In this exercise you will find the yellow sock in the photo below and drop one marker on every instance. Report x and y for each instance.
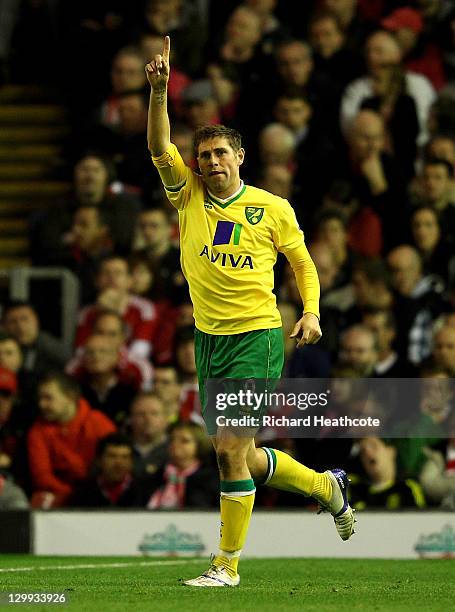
(236, 505)
(287, 474)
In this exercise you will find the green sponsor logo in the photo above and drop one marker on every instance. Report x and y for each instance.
(439, 544)
(172, 542)
(253, 214)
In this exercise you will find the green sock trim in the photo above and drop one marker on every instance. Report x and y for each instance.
(230, 486)
(271, 465)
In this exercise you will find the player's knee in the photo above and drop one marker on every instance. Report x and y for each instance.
(229, 458)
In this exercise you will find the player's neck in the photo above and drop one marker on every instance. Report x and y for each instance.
(228, 193)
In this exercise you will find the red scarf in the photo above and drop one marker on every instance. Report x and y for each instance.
(172, 493)
(113, 492)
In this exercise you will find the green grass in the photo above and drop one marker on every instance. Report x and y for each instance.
(267, 584)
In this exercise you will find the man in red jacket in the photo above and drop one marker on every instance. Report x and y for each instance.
(62, 442)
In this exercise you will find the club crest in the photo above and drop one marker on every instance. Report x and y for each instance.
(253, 214)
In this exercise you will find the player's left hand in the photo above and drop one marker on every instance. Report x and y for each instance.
(307, 330)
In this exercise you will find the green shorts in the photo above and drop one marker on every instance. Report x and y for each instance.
(252, 355)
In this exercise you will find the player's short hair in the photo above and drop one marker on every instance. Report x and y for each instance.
(208, 132)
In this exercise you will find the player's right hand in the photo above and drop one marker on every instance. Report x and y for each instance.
(158, 69)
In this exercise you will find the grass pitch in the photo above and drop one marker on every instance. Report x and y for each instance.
(102, 584)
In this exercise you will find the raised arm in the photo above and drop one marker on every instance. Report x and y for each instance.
(158, 127)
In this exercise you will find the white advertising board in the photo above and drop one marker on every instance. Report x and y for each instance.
(403, 535)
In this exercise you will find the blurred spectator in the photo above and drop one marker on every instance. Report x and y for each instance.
(240, 45)
(124, 143)
(62, 443)
(435, 252)
(419, 55)
(359, 350)
(93, 184)
(346, 12)
(148, 423)
(11, 429)
(151, 45)
(382, 487)
(89, 242)
(186, 25)
(443, 353)
(168, 389)
(402, 98)
(373, 176)
(115, 484)
(277, 145)
(134, 370)
(372, 287)
(335, 293)
(114, 284)
(12, 497)
(12, 359)
(190, 407)
(272, 30)
(41, 352)
(155, 233)
(437, 476)
(331, 229)
(186, 480)
(389, 365)
(437, 192)
(333, 58)
(277, 179)
(127, 74)
(417, 301)
(200, 105)
(104, 385)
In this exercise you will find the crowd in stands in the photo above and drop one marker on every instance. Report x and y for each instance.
(347, 109)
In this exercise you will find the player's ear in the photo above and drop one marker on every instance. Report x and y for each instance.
(241, 156)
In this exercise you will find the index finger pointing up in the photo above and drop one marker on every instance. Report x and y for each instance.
(166, 48)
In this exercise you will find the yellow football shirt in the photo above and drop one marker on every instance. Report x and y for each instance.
(229, 248)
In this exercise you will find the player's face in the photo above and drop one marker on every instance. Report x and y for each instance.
(219, 165)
